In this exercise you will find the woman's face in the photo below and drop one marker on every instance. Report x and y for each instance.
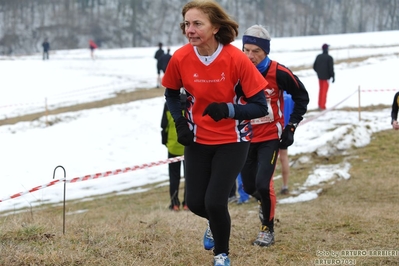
(199, 30)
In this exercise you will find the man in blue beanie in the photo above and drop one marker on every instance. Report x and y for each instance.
(269, 133)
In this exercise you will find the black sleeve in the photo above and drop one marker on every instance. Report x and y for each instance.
(164, 126)
(164, 120)
(289, 82)
(173, 102)
(331, 67)
(394, 113)
(315, 64)
(256, 107)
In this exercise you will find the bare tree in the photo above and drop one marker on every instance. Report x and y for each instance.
(125, 23)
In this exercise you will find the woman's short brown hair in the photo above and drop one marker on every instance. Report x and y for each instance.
(228, 27)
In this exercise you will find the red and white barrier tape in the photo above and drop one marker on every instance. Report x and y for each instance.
(327, 110)
(22, 104)
(378, 90)
(95, 176)
(74, 93)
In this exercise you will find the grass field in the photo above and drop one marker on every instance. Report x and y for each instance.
(352, 221)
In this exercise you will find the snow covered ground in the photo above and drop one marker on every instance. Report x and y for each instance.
(128, 135)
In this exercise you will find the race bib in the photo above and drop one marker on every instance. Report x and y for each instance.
(265, 119)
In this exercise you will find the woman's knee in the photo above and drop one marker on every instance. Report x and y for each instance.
(196, 207)
(215, 206)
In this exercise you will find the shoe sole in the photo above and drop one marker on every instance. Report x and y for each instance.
(262, 244)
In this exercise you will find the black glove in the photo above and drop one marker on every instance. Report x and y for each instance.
(184, 135)
(217, 111)
(164, 136)
(287, 138)
(333, 80)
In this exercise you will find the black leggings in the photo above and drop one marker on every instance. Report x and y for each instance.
(174, 181)
(257, 177)
(211, 171)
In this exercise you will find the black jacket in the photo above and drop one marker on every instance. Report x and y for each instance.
(164, 61)
(395, 104)
(287, 81)
(158, 54)
(46, 46)
(324, 66)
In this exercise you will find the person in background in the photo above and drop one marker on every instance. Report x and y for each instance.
(394, 112)
(269, 133)
(238, 188)
(232, 196)
(224, 92)
(175, 149)
(285, 166)
(164, 60)
(324, 67)
(92, 46)
(158, 54)
(46, 48)
(244, 197)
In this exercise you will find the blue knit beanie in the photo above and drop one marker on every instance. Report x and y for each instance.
(262, 43)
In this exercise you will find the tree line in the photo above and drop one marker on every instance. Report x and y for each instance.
(69, 24)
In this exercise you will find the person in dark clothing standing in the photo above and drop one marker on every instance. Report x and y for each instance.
(46, 48)
(394, 113)
(324, 67)
(175, 149)
(158, 54)
(164, 60)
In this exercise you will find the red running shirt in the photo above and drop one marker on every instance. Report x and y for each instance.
(216, 82)
(271, 126)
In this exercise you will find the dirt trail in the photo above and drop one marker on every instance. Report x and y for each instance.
(118, 99)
